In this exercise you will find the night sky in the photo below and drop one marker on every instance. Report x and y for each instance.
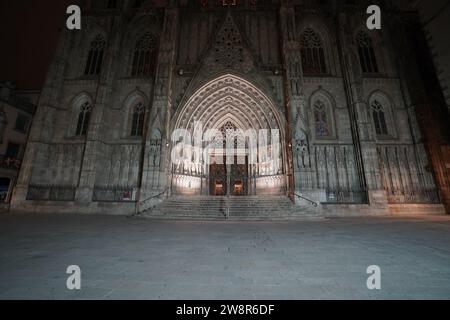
(28, 35)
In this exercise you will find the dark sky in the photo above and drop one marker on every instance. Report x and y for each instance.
(28, 36)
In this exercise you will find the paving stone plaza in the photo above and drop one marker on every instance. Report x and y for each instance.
(225, 150)
(134, 258)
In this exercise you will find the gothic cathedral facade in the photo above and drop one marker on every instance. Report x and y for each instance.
(102, 138)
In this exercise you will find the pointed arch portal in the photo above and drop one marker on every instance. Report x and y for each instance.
(237, 137)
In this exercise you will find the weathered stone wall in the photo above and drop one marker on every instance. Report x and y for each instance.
(346, 161)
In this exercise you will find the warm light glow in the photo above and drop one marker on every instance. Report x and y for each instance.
(270, 184)
(186, 184)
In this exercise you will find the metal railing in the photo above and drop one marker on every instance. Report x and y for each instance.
(313, 203)
(51, 193)
(139, 203)
(344, 195)
(9, 162)
(114, 194)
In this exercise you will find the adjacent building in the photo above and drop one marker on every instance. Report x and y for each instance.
(435, 17)
(16, 113)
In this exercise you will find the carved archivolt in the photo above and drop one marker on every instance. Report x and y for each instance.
(231, 102)
(229, 97)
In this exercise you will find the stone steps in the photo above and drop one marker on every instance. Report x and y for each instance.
(233, 208)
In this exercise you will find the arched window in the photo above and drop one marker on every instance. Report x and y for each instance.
(137, 120)
(379, 118)
(321, 119)
(313, 54)
(366, 53)
(83, 119)
(95, 56)
(144, 56)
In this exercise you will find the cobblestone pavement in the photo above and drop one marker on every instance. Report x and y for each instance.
(130, 258)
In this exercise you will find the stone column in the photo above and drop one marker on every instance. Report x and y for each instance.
(292, 81)
(362, 129)
(156, 166)
(41, 131)
(228, 180)
(94, 139)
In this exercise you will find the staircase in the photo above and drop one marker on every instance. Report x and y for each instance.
(232, 208)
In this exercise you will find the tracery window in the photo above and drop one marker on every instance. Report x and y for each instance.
(379, 118)
(229, 131)
(144, 56)
(313, 54)
(321, 120)
(366, 53)
(137, 121)
(84, 116)
(95, 56)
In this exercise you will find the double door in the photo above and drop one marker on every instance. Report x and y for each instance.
(228, 179)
